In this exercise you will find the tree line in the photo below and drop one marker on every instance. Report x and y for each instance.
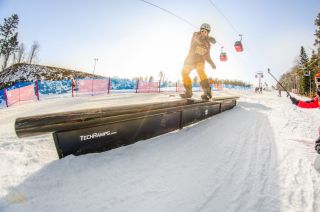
(162, 78)
(300, 78)
(10, 46)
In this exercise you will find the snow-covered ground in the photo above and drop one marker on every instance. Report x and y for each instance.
(255, 157)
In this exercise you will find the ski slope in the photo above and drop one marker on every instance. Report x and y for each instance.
(255, 157)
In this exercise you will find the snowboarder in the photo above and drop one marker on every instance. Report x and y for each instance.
(311, 104)
(199, 53)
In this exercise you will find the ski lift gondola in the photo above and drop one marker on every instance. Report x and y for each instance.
(238, 45)
(223, 55)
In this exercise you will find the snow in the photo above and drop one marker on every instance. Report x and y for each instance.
(31, 72)
(256, 157)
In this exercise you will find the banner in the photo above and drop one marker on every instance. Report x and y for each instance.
(22, 94)
(91, 86)
(148, 87)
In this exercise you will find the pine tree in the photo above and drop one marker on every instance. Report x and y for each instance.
(317, 41)
(303, 73)
(315, 59)
(304, 65)
(303, 57)
(313, 66)
(8, 37)
(317, 33)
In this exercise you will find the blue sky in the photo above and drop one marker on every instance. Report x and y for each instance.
(131, 38)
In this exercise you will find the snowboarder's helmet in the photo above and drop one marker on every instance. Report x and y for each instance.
(206, 27)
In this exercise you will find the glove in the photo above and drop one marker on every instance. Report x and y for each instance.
(213, 66)
(317, 145)
(294, 100)
(212, 40)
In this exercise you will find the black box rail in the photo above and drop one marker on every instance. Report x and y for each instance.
(101, 129)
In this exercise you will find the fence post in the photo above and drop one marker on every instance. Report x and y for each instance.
(72, 87)
(37, 89)
(109, 82)
(177, 87)
(137, 86)
(92, 86)
(19, 91)
(6, 97)
(76, 86)
(159, 85)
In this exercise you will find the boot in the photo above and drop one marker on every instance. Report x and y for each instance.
(206, 90)
(188, 92)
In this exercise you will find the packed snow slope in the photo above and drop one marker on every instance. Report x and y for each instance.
(255, 157)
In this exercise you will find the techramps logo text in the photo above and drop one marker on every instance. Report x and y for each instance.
(96, 135)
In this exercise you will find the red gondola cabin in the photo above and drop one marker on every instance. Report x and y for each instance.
(223, 56)
(238, 46)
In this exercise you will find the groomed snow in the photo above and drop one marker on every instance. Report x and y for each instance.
(255, 157)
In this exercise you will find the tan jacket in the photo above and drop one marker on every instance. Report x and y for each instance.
(199, 49)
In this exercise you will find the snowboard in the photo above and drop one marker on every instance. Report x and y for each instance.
(202, 98)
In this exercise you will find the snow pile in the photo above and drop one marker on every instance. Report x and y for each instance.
(30, 72)
(255, 157)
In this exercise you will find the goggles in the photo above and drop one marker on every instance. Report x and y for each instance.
(317, 80)
(204, 30)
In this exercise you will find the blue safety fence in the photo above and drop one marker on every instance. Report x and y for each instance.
(2, 100)
(122, 85)
(49, 89)
(19, 85)
(68, 88)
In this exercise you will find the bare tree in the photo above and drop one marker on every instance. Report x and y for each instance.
(161, 76)
(14, 56)
(34, 51)
(21, 50)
